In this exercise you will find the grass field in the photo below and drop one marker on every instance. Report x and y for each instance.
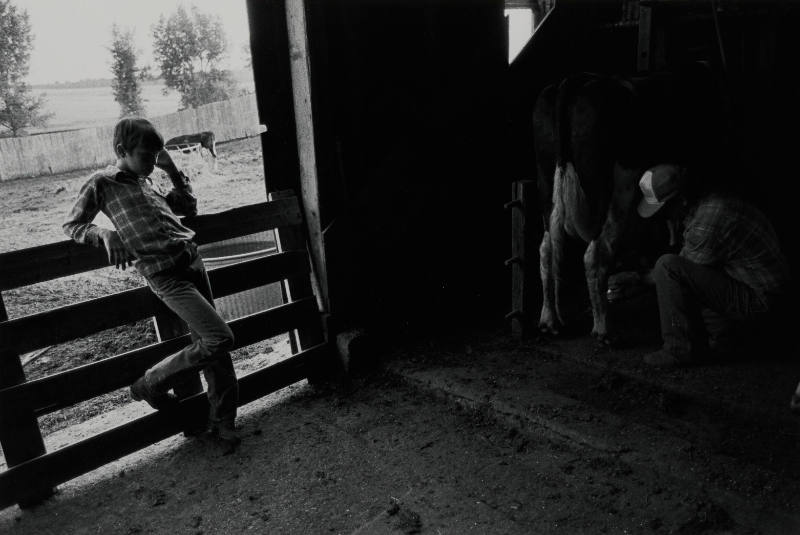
(81, 107)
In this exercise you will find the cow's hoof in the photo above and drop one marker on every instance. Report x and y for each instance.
(795, 403)
(548, 330)
(605, 341)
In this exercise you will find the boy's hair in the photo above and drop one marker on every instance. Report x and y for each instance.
(131, 131)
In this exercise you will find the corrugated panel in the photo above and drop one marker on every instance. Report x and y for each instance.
(219, 254)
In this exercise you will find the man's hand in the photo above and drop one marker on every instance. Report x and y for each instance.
(117, 255)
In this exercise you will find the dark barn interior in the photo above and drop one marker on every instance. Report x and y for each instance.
(420, 127)
(408, 109)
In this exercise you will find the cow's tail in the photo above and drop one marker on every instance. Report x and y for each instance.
(567, 189)
(566, 96)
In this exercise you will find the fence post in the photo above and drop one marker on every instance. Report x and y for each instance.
(19, 429)
(525, 287)
(294, 288)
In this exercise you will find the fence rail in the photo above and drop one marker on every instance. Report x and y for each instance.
(33, 471)
(44, 262)
(61, 152)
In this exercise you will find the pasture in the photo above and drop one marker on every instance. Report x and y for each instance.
(82, 107)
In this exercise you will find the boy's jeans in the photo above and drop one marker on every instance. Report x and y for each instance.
(702, 307)
(186, 291)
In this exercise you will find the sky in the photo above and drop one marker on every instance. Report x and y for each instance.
(520, 28)
(71, 37)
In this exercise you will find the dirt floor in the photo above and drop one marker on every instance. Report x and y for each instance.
(470, 432)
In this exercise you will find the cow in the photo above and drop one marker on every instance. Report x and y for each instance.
(205, 139)
(594, 136)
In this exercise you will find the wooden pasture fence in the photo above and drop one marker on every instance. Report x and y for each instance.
(33, 472)
(60, 152)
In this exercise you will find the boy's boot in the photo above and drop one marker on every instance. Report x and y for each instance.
(142, 391)
(226, 435)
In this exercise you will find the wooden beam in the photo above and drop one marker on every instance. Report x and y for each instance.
(269, 47)
(81, 319)
(645, 43)
(301, 69)
(28, 479)
(66, 388)
(245, 220)
(524, 261)
(298, 287)
(46, 262)
(20, 436)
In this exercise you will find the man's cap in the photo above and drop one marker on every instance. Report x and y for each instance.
(658, 184)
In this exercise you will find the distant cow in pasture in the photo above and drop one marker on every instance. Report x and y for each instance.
(205, 139)
(594, 136)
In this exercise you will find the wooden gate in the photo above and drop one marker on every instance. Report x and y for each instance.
(32, 472)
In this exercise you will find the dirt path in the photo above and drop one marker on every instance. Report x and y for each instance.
(383, 460)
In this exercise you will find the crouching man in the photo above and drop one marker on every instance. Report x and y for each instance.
(728, 279)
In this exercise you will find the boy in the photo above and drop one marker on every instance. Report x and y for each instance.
(150, 236)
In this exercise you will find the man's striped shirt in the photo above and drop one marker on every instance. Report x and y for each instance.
(735, 236)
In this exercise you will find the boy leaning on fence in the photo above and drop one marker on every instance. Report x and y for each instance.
(150, 236)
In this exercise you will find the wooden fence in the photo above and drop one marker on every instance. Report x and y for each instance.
(60, 152)
(33, 472)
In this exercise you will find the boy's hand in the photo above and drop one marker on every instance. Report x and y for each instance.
(164, 162)
(117, 255)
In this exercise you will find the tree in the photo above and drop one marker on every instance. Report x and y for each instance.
(189, 49)
(126, 82)
(18, 107)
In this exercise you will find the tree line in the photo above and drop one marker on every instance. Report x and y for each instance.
(189, 48)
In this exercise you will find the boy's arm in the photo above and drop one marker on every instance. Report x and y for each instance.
(80, 228)
(181, 199)
(78, 225)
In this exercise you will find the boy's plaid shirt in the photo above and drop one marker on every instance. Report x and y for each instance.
(737, 237)
(145, 221)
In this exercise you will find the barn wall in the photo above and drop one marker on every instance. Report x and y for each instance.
(419, 126)
(408, 118)
(759, 43)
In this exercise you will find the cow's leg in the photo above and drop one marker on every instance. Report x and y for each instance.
(596, 259)
(551, 261)
(602, 251)
(547, 320)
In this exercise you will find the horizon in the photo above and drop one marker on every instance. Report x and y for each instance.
(242, 76)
